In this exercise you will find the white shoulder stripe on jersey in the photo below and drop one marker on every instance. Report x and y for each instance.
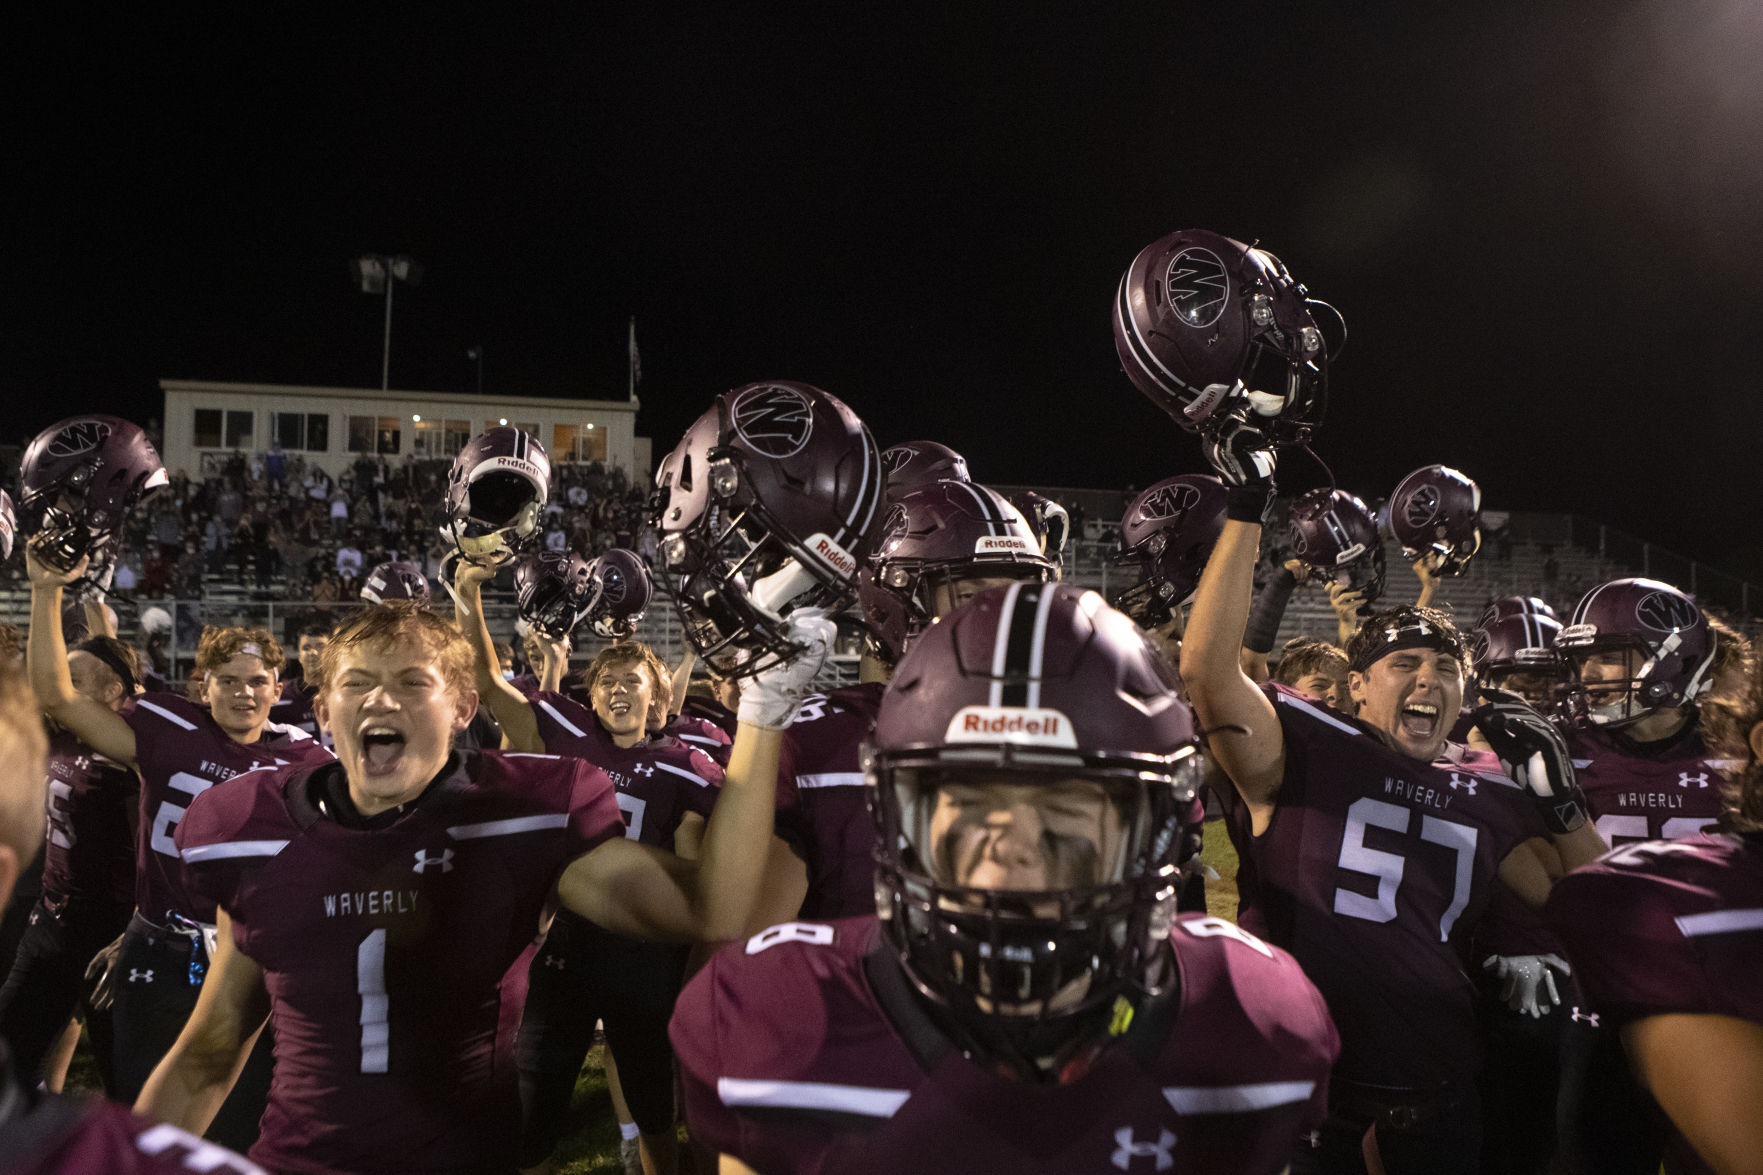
(704, 740)
(1582, 764)
(811, 1095)
(1236, 1099)
(166, 714)
(509, 827)
(234, 848)
(565, 723)
(526, 755)
(831, 779)
(1720, 922)
(291, 733)
(681, 771)
(1315, 712)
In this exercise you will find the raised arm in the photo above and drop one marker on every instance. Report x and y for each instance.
(642, 892)
(193, 1079)
(95, 724)
(682, 680)
(512, 712)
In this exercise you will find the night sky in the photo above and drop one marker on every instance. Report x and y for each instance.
(1542, 221)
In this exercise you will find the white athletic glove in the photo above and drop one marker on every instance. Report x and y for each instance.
(1528, 983)
(771, 697)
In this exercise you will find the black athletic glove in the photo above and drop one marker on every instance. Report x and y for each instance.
(1244, 459)
(1535, 755)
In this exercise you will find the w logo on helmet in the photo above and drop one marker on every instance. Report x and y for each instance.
(1666, 612)
(1421, 507)
(82, 436)
(1169, 502)
(612, 586)
(1197, 286)
(895, 458)
(773, 420)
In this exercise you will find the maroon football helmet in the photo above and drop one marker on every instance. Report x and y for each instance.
(937, 536)
(1032, 684)
(1504, 606)
(765, 505)
(395, 580)
(1202, 322)
(77, 482)
(1169, 531)
(554, 590)
(623, 588)
(1517, 652)
(913, 465)
(1334, 533)
(499, 484)
(1669, 646)
(8, 525)
(1050, 521)
(1435, 514)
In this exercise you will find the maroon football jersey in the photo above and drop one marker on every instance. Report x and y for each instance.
(90, 850)
(396, 959)
(293, 707)
(63, 1137)
(1373, 873)
(1667, 926)
(1669, 793)
(711, 711)
(182, 752)
(659, 780)
(795, 1058)
(821, 759)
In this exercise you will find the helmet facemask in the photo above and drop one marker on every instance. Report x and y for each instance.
(1612, 703)
(498, 517)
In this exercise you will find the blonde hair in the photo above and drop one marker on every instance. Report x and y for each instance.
(632, 653)
(23, 748)
(220, 645)
(1726, 724)
(379, 625)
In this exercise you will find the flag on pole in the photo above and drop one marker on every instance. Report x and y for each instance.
(636, 360)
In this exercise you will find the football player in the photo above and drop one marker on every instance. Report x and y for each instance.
(41, 1133)
(180, 749)
(1666, 941)
(1315, 669)
(385, 907)
(1373, 841)
(584, 974)
(1028, 999)
(88, 888)
(293, 706)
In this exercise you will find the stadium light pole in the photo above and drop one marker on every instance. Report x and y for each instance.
(377, 273)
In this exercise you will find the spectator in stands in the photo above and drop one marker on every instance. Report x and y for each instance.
(348, 560)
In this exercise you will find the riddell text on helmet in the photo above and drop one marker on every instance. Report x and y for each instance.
(832, 554)
(1011, 724)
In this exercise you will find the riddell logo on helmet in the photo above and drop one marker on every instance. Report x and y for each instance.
(832, 554)
(512, 465)
(993, 544)
(1011, 724)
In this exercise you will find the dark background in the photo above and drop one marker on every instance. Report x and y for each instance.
(1541, 220)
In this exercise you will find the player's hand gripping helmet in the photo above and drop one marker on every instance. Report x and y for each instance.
(1202, 322)
(1335, 534)
(77, 482)
(1032, 685)
(1635, 646)
(766, 505)
(395, 580)
(1517, 652)
(8, 525)
(1169, 531)
(1050, 521)
(936, 537)
(623, 588)
(499, 484)
(1504, 606)
(1435, 514)
(554, 591)
(912, 465)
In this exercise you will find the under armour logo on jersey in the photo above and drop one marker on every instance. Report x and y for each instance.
(1130, 1149)
(773, 419)
(140, 976)
(443, 860)
(1589, 1017)
(1684, 779)
(643, 768)
(555, 962)
(1458, 781)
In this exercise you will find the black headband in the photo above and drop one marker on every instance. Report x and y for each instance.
(101, 650)
(1407, 633)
